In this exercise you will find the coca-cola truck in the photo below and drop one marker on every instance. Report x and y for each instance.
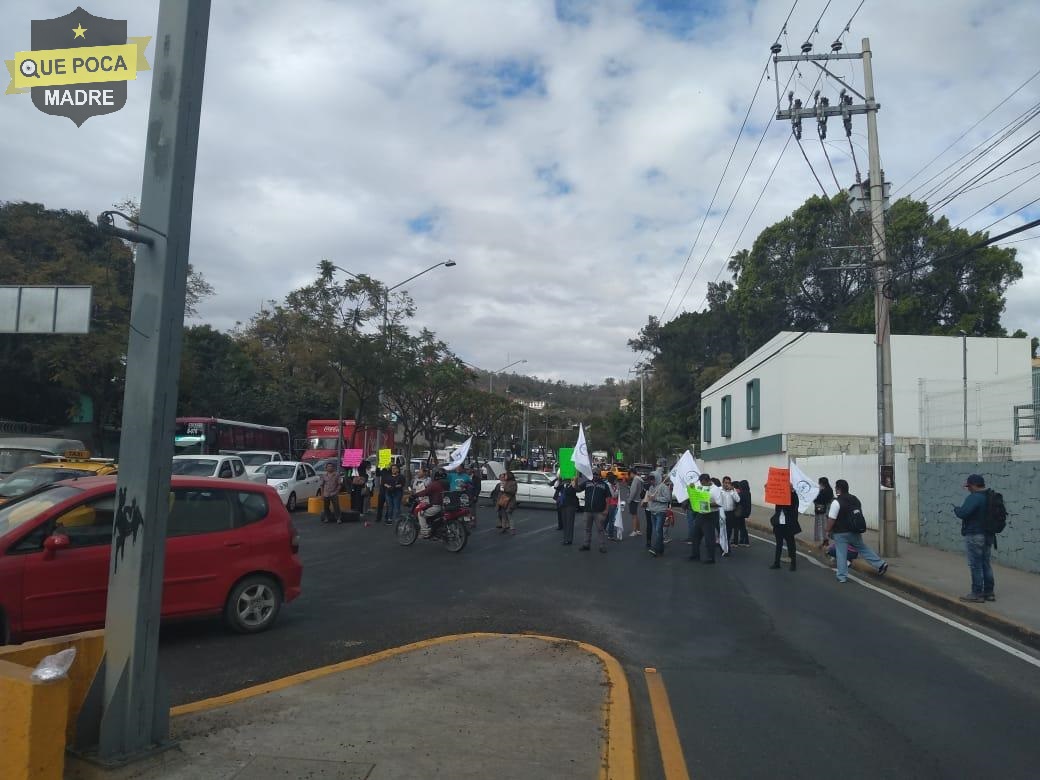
(322, 439)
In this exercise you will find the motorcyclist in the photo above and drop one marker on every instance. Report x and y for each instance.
(434, 492)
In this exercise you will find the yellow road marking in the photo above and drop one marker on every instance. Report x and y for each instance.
(618, 757)
(664, 724)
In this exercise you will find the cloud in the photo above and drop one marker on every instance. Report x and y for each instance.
(562, 153)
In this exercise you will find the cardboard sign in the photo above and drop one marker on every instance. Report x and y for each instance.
(567, 469)
(352, 458)
(384, 458)
(619, 457)
(700, 498)
(778, 487)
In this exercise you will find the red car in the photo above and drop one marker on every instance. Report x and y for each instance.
(231, 549)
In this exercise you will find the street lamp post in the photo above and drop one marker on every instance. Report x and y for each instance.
(491, 376)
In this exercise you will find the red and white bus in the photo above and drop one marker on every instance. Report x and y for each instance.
(212, 436)
(322, 438)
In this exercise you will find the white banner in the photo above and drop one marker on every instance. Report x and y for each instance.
(459, 456)
(580, 456)
(807, 489)
(685, 472)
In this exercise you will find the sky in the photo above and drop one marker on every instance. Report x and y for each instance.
(566, 155)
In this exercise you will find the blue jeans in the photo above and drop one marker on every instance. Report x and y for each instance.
(841, 550)
(393, 505)
(977, 547)
(658, 532)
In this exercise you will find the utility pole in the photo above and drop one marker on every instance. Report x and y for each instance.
(642, 415)
(126, 712)
(879, 264)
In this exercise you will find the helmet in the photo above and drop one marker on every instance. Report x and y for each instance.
(440, 474)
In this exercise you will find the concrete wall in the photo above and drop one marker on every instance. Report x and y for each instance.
(861, 472)
(940, 485)
(754, 469)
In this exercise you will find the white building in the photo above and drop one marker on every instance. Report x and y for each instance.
(813, 396)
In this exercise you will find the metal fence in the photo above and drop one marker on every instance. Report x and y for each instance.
(980, 421)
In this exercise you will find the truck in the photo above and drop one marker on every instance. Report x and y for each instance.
(323, 435)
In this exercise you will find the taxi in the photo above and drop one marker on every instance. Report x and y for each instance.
(70, 465)
(621, 472)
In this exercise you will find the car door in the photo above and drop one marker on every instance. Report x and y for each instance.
(540, 490)
(312, 480)
(69, 591)
(199, 546)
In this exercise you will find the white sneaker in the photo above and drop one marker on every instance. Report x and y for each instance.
(634, 533)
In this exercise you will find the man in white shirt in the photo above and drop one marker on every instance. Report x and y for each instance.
(728, 499)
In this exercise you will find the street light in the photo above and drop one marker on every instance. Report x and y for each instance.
(491, 377)
(964, 380)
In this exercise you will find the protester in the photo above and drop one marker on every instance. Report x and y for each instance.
(729, 509)
(743, 512)
(612, 524)
(841, 529)
(635, 496)
(785, 529)
(977, 543)
(358, 486)
(392, 487)
(331, 482)
(597, 493)
(704, 511)
(422, 479)
(570, 506)
(559, 485)
(506, 502)
(822, 503)
(659, 501)
(644, 506)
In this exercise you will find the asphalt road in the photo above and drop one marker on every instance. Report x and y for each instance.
(769, 673)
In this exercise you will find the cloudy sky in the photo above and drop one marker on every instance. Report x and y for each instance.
(563, 153)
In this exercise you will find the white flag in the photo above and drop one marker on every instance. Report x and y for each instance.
(459, 456)
(685, 472)
(806, 489)
(580, 456)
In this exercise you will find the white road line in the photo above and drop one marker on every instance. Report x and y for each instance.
(934, 615)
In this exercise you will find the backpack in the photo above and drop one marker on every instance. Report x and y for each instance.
(852, 514)
(996, 513)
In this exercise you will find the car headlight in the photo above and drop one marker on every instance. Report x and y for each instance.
(282, 486)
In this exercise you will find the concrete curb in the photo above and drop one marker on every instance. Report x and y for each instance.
(979, 615)
(619, 760)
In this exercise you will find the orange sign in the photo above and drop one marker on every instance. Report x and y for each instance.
(778, 487)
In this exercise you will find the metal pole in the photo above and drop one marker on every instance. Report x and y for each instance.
(339, 422)
(886, 439)
(126, 714)
(642, 455)
(964, 380)
(379, 393)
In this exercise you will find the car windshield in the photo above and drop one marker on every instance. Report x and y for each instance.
(18, 512)
(13, 458)
(194, 467)
(27, 480)
(279, 471)
(254, 459)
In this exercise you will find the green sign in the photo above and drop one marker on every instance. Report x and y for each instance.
(619, 457)
(700, 499)
(567, 470)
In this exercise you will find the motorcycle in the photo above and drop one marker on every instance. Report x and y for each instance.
(451, 526)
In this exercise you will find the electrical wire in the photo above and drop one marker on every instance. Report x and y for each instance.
(1010, 214)
(828, 157)
(725, 169)
(962, 135)
(1013, 189)
(956, 193)
(802, 149)
(848, 24)
(1004, 176)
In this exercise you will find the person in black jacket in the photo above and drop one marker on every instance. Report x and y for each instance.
(743, 512)
(821, 504)
(569, 508)
(785, 528)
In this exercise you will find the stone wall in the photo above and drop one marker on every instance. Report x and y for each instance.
(941, 485)
(807, 445)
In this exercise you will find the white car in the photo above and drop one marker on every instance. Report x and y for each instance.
(292, 480)
(532, 487)
(254, 459)
(218, 466)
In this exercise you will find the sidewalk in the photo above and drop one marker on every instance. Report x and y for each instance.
(472, 706)
(941, 578)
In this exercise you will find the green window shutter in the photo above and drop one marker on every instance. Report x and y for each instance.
(727, 416)
(706, 415)
(754, 404)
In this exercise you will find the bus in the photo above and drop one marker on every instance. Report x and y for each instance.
(322, 438)
(213, 436)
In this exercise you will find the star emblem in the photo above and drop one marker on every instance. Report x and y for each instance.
(79, 29)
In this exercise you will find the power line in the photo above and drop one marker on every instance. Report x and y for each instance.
(958, 191)
(962, 135)
(802, 149)
(1001, 197)
(828, 158)
(1010, 214)
(1003, 176)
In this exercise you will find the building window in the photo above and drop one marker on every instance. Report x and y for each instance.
(706, 438)
(727, 416)
(754, 404)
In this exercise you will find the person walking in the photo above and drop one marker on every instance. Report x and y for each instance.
(660, 501)
(821, 505)
(843, 516)
(331, 482)
(569, 508)
(612, 523)
(635, 496)
(743, 512)
(704, 514)
(559, 485)
(597, 493)
(785, 529)
(381, 501)
(506, 502)
(393, 490)
(644, 507)
(729, 507)
(977, 542)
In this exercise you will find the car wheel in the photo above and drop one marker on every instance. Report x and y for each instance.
(493, 498)
(291, 503)
(253, 604)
